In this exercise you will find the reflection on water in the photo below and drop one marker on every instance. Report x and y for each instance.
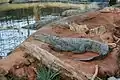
(9, 39)
(16, 23)
(11, 23)
(11, 34)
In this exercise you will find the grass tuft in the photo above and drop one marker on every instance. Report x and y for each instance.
(47, 74)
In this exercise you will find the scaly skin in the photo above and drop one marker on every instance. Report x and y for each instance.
(76, 45)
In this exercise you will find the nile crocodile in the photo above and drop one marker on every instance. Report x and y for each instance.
(76, 45)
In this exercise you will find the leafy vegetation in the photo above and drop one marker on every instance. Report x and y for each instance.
(47, 74)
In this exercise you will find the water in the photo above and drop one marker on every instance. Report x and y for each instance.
(11, 22)
(10, 39)
(11, 34)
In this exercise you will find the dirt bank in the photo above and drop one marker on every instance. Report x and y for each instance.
(107, 67)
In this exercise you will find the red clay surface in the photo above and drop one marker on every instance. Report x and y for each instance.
(107, 67)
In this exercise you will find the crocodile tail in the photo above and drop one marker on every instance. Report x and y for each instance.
(91, 58)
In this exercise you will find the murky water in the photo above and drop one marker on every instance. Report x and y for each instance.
(11, 23)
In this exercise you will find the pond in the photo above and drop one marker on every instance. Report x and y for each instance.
(13, 25)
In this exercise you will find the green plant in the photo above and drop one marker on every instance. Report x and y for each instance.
(47, 74)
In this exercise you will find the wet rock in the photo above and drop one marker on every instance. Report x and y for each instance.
(76, 12)
(112, 78)
(109, 9)
(90, 8)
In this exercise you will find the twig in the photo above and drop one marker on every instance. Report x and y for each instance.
(118, 40)
(96, 72)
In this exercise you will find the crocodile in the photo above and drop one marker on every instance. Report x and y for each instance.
(76, 45)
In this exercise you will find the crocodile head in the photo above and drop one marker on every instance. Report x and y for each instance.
(50, 39)
(40, 37)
